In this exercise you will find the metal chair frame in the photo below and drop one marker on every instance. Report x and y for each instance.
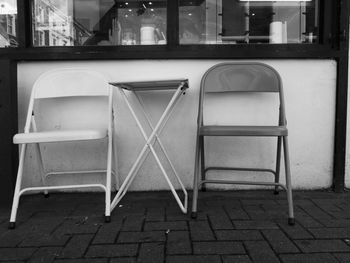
(40, 92)
(279, 131)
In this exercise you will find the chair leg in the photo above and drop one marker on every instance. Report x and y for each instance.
(278, 164)
(115, 167)
(202, 159)
(195, 180)
(291, 219)
(16, 196)
(108, 180)
(41, 167)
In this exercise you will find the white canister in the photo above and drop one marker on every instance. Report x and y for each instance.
(147, 35)
(276, 32)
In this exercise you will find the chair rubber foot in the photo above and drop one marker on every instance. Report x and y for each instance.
(46, 195)
(291, 221)
(107, 219)
(12, 225)
(276, 192)
(193, 215)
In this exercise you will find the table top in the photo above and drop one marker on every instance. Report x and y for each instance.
(168, 84)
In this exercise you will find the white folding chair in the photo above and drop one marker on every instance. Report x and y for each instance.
(56, 87)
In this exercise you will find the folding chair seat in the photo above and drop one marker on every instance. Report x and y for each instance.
(59, 136)
(242, 79)
(213, 130)
(57, 88)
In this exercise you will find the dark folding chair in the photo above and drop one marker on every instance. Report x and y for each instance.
(242, 77)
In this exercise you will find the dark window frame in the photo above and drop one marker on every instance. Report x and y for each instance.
(329, 48)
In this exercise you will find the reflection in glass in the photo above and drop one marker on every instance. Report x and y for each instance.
(98, 22)
(8, 23)
(248, 21)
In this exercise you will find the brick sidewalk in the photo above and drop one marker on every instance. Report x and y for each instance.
(240, 226)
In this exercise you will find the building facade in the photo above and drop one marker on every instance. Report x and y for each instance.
(305, 41)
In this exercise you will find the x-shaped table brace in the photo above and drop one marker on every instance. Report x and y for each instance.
(180, 87)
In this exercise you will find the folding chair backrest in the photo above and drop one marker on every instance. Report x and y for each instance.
(244, 77)
(54, 96)
(241, 77)
(70, 83)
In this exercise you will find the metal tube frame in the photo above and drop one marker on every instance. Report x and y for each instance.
(148, 147)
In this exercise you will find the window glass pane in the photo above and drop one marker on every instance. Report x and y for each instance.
(98, 22)
(248, 21)
(8, 23)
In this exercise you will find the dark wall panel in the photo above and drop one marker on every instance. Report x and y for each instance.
(8, 117)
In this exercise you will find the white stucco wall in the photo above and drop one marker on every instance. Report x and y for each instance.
(310, 102)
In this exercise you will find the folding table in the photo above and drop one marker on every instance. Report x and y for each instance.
(178, 86)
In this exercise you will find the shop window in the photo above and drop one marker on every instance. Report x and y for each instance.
(248, 21)
(8, 23)
(99, 22)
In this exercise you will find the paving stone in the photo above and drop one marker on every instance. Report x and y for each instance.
(40, 224)
(336, 223)
(275, 213)
(295, 232)
(219, 219)
(45, 255)
(279, 241)
(47, 240)
(193, 259)
(236, 259)
(16, 253)
(345, 214)
(259, 202)
(260, 252)
(125, 250)
(89, 209)
(28, 230)
(133, 223)
(314, 211)
(178, 243)
(175, 225)
(334, 233)
(299, 202)
(224, 201)
(175, 214)
(76, 246)
(155, 214)
(108, 232)
(318, 246)
(79, 225)
(90, 260)
(254, 224)
(201, 231)
(122, 260)
(218, 248)
(328, 206)
(342, 257)
(151, 253)
(255, 212)
(308, 258)
(138, 237)
(236, 213)
(8, 239)
(238, 235)
(307, 221)
(131, 209)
